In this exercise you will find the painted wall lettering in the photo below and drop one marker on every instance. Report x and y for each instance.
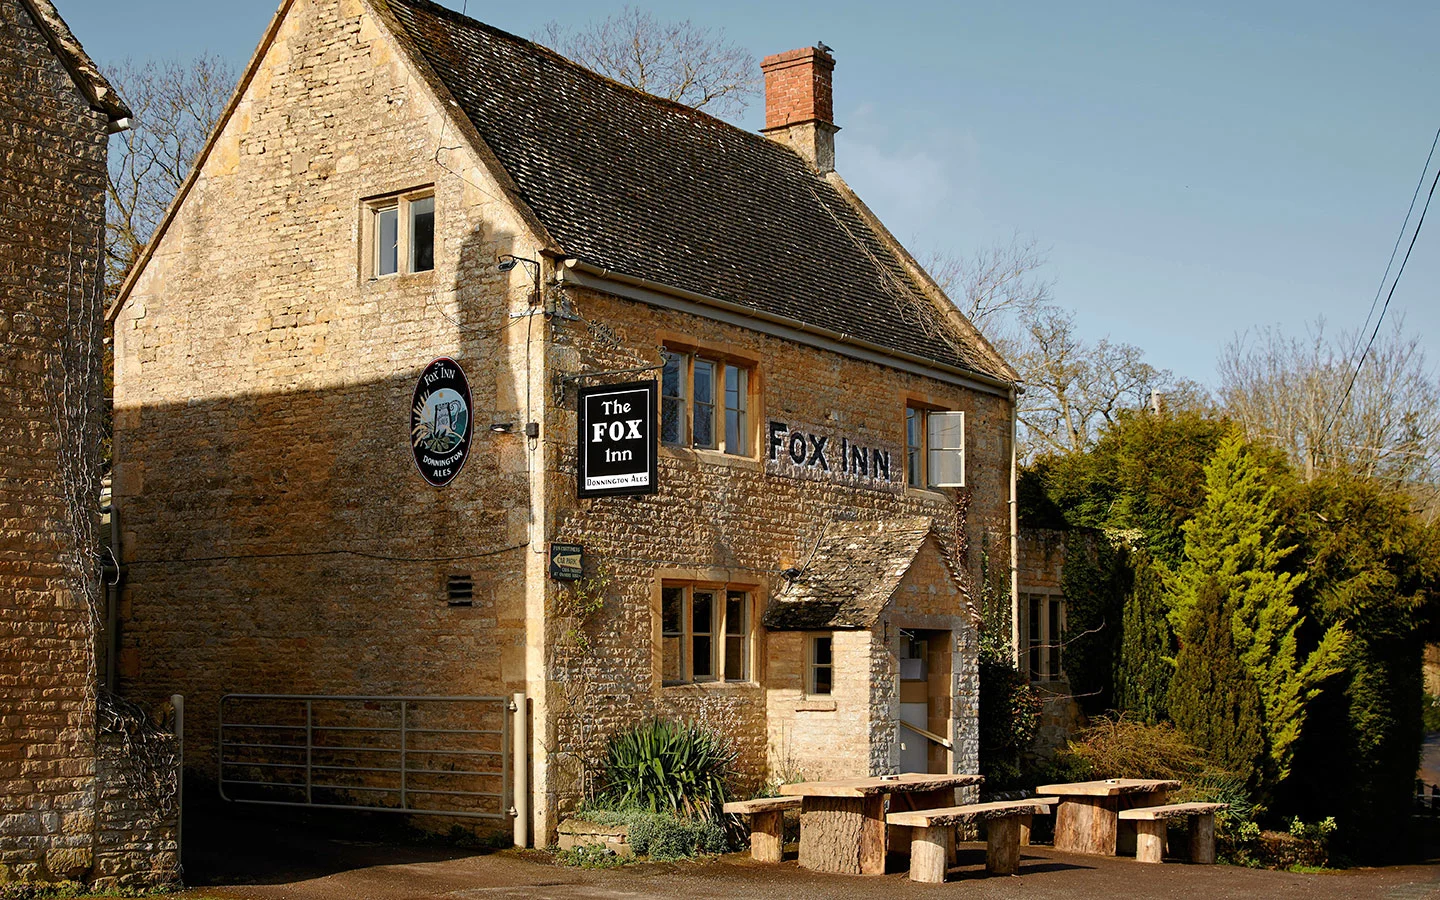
(800, 451)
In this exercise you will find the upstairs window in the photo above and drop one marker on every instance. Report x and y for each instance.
(705, 634)
(705, 403)
(934, 448)
(401, 233)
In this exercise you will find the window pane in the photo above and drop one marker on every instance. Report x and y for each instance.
(705, 404)
(672, 403)
(822, 680)
(1053, 638)
(822, 651)
(672, 629)
(946, 441)
(422, 234)
(702, 666)
(737, 631)
(914, 476)
(1036, 610)
(702, 612)
(387, 240)
(737, 399)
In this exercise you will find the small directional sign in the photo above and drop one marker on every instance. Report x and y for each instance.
(567, 562)
(616, 439)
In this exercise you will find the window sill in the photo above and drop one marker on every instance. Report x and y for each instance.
(398, 279)
(710, 457)
(710, 686)
(929, 493)
(816, 705)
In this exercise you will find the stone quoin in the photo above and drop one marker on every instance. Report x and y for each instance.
(792, 574)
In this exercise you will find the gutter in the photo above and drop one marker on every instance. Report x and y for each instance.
(656, 294)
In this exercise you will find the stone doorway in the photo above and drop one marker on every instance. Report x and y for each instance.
(925, 703)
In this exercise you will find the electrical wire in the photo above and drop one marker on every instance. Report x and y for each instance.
(383, 557)
(1419, 224)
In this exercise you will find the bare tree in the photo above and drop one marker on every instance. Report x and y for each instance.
(176, 105)
(1292, 391)
(679, 61)
(1072, 388)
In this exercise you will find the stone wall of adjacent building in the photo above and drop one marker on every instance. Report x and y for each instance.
(1042, 564)
(137, 814)
(277, 534)
(52, 179)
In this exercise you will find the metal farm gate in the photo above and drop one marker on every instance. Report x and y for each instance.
(448, 756)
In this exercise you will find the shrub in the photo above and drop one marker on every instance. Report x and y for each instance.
(666, 766)
(1124, 748)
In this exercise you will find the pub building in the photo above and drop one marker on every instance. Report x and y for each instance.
(460, 374)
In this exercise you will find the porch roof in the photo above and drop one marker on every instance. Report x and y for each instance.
(851, 576)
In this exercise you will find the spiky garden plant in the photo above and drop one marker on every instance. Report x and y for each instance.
(668, 766)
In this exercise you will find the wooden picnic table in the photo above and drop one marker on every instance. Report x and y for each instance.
(842, 822)
(1088, 817)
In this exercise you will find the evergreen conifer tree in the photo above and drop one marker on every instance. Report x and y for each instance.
(1236, 540)
(1212, 697)
(1144, 665)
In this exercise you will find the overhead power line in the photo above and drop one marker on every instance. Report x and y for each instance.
(1419, 224)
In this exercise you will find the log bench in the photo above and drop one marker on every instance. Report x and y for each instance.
(932, 843)
(767, 824)
(1150, 822)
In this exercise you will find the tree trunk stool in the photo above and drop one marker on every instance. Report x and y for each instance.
(1150, 822)
(933, 835)
(767, 825)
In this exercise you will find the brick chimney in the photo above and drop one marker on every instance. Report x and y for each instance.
(799, 111)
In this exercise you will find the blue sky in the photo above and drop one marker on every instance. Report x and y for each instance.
(1195, 169)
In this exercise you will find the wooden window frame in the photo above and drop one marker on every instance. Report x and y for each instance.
(812, 664)
(402, 203)
(1046, 645)
(919, 471)
(717, 632)
(719, 407)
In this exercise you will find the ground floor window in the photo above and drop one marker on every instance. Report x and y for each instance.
(1043, 628)
(820, 680)
(705, 633)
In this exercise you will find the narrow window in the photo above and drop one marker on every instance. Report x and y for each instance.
(672, 635)
(945, 444)
(822, 665)
(705, 404)
(387, 240)
(422, 234)
(702, 618)
(1053, 636)
(737, 636)
(1037, 634)
(737, 426)
(914, 447)
(672, 399)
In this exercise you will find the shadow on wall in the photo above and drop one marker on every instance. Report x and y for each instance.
(285, 542)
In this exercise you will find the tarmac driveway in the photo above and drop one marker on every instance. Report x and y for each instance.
(259, 859)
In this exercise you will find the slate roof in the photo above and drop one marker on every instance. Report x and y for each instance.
(656, 190)
(852, 574)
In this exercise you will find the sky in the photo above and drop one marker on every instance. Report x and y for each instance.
(1195, 171)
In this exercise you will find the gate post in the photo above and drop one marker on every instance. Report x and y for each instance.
(520, 765)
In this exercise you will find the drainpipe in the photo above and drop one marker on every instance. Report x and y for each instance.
(1015, 525)
(520, 765)
(110, 573)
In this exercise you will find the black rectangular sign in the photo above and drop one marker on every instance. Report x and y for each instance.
(567, 562)
(617, 439)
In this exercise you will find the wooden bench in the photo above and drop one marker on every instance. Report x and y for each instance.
(767, 824)
(932, 844)
(1150, 830)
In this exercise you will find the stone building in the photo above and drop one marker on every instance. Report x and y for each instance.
(693, 362)
(66, 805)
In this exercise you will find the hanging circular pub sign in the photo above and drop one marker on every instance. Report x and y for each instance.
(440, 421)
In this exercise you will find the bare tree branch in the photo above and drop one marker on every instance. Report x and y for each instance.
(679, 61)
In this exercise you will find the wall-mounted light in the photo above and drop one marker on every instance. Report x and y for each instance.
(503, 427)
(508, 261)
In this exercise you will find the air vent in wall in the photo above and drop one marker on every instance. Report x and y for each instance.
(460, 590)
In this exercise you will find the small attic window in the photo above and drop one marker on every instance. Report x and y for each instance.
(460, 590)
(400, 231)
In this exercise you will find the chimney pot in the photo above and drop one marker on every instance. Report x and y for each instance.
(799, 109)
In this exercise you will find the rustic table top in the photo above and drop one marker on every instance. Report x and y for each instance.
(1112, 787)
(884, 784)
